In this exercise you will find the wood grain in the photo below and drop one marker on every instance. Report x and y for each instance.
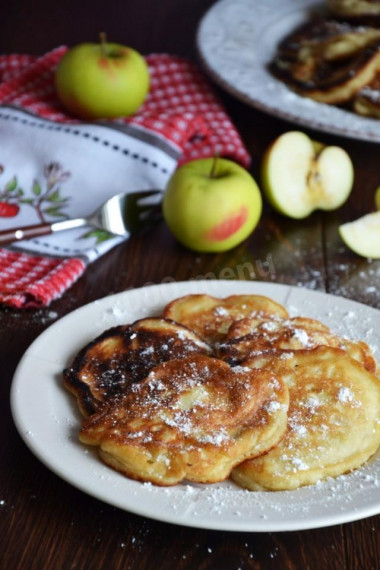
(46, 523)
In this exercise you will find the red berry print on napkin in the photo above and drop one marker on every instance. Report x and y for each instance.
(45, 199)
(8, 210)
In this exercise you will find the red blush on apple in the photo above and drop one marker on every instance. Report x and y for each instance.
(229, 226)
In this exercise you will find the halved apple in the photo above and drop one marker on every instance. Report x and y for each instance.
(300, 175)
(363, 235)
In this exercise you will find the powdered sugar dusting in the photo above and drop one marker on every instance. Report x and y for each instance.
(269, 510)
(221, 311)
(302, 336)
(345, 395)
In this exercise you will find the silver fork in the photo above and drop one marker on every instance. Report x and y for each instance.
(121, 215)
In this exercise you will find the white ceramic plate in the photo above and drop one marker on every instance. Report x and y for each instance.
(48, 421)
(237, 38)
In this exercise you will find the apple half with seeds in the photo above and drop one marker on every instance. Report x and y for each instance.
(363, 235)
(300, 175)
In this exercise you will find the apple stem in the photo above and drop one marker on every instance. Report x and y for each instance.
(103, 39)
(213, 167)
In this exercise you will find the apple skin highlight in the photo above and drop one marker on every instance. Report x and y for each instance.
(211, 207)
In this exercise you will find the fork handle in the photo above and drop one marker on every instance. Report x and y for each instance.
(26, 232)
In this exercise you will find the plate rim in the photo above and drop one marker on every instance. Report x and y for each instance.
(368, 135)
(144, 510)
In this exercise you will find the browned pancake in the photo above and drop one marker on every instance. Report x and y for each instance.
(162, 405)
(327, 60)
(211, 317)
(106, 366)
(194, 418)
(367, 100)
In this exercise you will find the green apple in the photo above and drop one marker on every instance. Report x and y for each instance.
(300, 175)
(363, 235)
(377, 198)
(102, 81)
(211, 205)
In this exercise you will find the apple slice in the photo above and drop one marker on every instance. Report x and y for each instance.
(377, 198)
(363, 235)
(299, 175)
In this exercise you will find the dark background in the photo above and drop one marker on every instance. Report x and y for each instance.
(38, 26)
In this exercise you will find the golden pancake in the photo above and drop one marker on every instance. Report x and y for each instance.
(334, 420)
(211, 317)
(254, 335)
(106, 366)
(194, 418)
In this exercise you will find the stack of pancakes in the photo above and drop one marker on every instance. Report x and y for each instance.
(335, 59)
(217, 388)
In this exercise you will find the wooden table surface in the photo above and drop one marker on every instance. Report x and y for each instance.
(45, 522)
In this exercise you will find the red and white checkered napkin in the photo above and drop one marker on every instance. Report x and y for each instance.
(180, 120)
